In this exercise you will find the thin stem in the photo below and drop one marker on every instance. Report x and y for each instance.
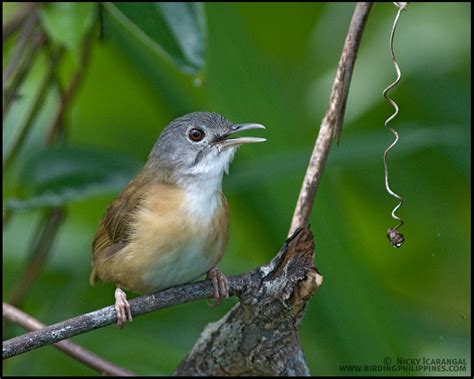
(41, 96)
(11, 93)
(75, 351)
(49, 227)
(12, 25)
(331, 124)
(68, 95)
(26, 34)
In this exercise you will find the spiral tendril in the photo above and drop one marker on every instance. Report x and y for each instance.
(395, 237)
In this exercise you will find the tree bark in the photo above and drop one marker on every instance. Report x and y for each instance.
(259, 335)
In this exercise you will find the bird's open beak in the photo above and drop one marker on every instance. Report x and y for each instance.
(225, 141)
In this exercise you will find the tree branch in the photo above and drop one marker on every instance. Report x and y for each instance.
(106, 316)
(77, 352)
(258, 337)
(331, 124)
(293, 261)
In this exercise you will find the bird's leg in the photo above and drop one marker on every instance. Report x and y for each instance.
(220, 284)
(122, 307)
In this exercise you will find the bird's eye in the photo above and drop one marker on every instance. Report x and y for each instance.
(196, 135)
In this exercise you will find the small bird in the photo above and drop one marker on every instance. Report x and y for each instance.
(170, 224)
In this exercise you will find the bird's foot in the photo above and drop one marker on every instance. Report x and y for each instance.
(220, 284)
(122, 307)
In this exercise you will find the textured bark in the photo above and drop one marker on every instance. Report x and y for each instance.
(259, 336)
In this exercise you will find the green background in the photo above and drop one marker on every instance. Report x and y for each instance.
(274, 64)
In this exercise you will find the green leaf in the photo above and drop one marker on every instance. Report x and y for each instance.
(173, 30)
(67, 23)
(58, 176)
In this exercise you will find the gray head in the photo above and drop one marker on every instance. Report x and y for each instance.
(198, 144)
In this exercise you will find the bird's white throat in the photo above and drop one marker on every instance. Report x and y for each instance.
(203, 185)
(203, 197)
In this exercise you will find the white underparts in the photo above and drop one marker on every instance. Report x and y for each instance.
(203, 185)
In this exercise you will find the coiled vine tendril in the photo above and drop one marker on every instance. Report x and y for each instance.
(395, 237)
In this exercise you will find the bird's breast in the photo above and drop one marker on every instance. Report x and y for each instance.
(178, 235)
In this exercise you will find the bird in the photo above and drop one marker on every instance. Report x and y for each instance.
(169, 225)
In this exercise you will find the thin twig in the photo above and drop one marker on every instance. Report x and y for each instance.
(106, 316)
(41, 96)
(331, 124)
(49, 227)
(77, 352)
(68, 95)
(50, 224)
(26, 33)
(12, 25)
(11, 93)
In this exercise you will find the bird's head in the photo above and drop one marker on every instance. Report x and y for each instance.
(198, 144)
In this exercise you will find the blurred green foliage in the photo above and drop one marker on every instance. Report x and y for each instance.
(273, 64)
(68, 23)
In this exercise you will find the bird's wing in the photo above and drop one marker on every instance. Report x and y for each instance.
(114, 230)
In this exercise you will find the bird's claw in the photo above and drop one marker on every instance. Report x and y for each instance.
(220, 285)
(122, 307)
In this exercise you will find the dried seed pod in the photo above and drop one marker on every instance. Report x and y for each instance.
(395, 238)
